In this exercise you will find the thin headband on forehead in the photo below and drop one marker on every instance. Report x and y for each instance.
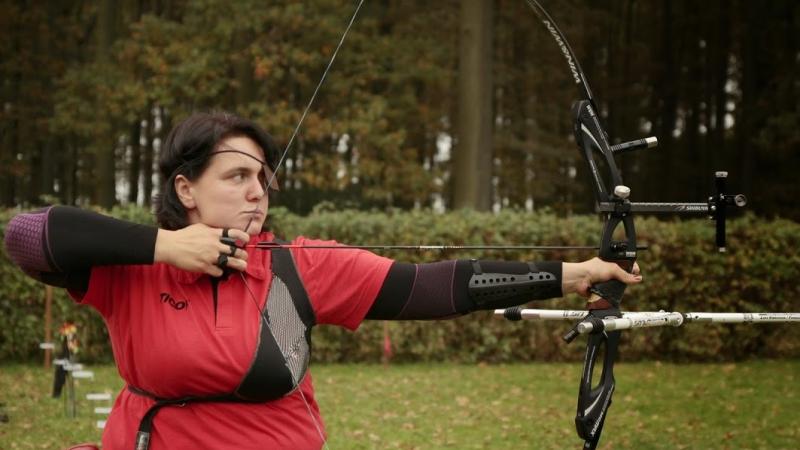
(269, 176)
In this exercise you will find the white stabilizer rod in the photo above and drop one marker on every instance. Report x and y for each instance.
(646, 319)
(634, 321)
(568, 314)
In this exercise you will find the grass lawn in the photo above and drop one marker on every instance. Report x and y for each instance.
(753, 405)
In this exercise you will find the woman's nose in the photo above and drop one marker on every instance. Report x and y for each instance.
(257, 189)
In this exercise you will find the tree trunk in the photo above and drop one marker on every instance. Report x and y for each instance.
(105, 170)
(721, 49)
(667, 109)
(747, 109)
(134, 168)
(472, 165)
(147, 156)
(245, 91)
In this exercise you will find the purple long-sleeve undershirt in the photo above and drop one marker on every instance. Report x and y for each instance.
(26, 242)
(59, 245)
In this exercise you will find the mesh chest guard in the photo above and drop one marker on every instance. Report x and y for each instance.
(284, 347)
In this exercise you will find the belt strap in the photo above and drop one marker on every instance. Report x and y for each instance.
(146, 424)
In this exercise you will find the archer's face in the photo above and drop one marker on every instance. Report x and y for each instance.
(230, 193)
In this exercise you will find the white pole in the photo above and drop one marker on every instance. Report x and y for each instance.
(644, 319)
(742, 317)
(548, 314)
(634, 321)
(677, 319)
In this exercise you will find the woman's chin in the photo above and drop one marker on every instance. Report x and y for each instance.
(255, 227)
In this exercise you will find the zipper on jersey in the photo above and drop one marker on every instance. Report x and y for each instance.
(214, 292)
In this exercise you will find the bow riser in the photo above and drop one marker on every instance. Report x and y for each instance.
(593, 402)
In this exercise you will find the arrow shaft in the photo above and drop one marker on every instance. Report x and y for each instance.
(543, 248)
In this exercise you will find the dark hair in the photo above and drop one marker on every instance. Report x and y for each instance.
(187, 151)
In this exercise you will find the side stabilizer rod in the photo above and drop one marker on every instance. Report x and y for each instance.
(644, 319)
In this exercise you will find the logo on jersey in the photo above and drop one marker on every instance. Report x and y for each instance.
(170, 300)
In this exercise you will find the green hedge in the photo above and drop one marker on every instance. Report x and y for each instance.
(681, 268)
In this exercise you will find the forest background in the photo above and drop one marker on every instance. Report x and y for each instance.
(90, 90)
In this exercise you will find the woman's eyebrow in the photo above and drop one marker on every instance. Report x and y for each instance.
(242, 168)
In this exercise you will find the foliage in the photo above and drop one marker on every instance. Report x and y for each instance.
(681, 272)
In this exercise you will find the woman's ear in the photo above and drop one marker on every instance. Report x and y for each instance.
(183, 187)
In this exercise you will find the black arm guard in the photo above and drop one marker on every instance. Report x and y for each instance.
(501, 290)
(453, 288)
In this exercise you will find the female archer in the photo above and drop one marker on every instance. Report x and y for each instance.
(213, 340)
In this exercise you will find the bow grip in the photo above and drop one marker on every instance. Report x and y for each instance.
(623, 253)
(611, 290)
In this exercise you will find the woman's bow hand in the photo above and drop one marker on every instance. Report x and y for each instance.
(579, 277)
(198, 248)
